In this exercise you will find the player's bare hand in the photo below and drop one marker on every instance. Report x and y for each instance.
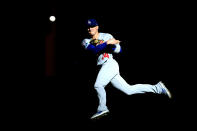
(113, 41)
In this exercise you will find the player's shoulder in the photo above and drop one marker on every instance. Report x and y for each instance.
(85, 42)
(106, 35)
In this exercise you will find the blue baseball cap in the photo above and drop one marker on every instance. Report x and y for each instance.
(92, 23)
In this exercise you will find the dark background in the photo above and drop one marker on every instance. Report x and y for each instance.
(157, 45)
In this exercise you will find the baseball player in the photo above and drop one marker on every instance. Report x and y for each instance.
(104, 45)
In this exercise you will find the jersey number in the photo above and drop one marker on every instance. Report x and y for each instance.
(105, 55)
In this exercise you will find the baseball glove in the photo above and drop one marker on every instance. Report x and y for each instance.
(96, 42)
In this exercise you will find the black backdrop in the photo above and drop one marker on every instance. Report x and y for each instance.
(153, 42)
(156, 42)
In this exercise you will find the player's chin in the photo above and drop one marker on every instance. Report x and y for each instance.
(91, 33)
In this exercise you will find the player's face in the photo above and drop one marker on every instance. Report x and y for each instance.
(93, 30)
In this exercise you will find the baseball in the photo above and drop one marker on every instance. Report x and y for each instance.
(52, 18)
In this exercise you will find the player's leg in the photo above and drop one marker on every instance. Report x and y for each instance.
(119, 83)
(105, 75)
(108, 70)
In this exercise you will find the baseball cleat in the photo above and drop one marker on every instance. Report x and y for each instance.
(100, 114)
(165, 90)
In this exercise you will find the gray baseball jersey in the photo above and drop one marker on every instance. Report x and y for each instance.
(103, 37)
(109, 72)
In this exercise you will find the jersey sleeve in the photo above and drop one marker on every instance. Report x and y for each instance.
(108, 36)
(94, 49)
(116, 48)
(85, 43)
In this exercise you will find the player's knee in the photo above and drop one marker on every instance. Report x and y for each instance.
(97, 85)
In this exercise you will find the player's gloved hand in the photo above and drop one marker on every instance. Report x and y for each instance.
(96, 42)
(113, 41)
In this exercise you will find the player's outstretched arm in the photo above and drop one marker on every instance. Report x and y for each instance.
(113, 46)
(113, 41)
(100, 47)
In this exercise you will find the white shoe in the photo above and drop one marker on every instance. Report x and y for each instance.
(99, 114)
(165, 90)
